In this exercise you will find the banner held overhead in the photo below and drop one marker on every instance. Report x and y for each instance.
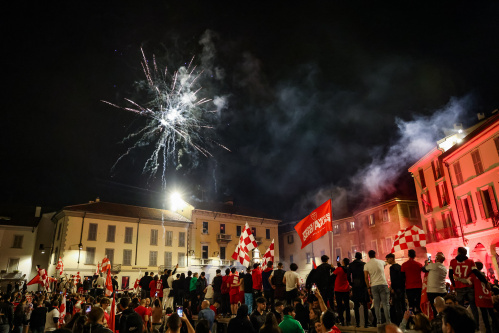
(315, 225)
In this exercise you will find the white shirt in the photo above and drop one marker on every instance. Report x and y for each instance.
(436, 278)
(170, 282)
(376, 269)
(49, 322)
(291, 279)
(209, 292)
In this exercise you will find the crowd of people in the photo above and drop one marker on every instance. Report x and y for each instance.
(269, 300)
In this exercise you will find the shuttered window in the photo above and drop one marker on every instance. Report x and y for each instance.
(128, 235)
(181, 239)
(154, 237)
(110, 255)
(477, 162)
(92, 231)
(458, 173)
(111, 233)
(169, 238)
(153, 258)
(127, 257)
(90, 256)
(168, 260)
(181, 259)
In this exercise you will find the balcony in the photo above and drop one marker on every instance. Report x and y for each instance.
(224, 238)
(442, 234)
(259, 240)
(201, 262)
(115, 269)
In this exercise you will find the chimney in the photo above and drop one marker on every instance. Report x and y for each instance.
(97, 199)
(38, 211)
(480, 116)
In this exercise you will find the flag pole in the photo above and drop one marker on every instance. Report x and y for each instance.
(332, 228)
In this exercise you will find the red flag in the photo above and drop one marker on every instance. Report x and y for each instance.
(62, 311)
(316, 225)
(313, 261)
(425, 302)
(34, 280)
(109, 282)
(60, 267)
(112, 315)
(269, 255)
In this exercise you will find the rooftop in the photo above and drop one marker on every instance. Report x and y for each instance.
(231, 209)
(17, 215)
(115, 209)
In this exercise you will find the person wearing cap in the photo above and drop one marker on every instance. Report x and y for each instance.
(435, 285)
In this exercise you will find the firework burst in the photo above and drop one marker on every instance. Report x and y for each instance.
(178, 120)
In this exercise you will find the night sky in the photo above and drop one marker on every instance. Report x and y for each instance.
(323, 98)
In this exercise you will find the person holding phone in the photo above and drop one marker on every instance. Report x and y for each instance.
(436, 279)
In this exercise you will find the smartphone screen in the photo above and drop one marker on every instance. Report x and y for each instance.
(180, 311)
(338, 258)
(87, 310)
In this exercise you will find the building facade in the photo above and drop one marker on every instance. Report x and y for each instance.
(456, 183)
(215, 230)
(373, 228)
(135, 240)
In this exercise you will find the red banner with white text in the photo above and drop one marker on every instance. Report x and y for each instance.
(316, 225)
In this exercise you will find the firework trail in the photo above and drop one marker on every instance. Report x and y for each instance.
(177, 117)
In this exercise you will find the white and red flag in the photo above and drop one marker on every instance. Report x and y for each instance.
(136, 284)
(112, 315)
(77, 278)
(315, 225)
(409, 238)
(109, 283)
(62, 311)
(269, 255)
(98, 269)
(60, 267)
(41, 278)
(106, 264)
(246, 243)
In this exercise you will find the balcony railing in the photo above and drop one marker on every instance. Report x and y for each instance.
(224, 238)
(200, 262)
(115, 269)
(442, 234)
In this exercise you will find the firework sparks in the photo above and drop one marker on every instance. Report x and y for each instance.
(176, 117)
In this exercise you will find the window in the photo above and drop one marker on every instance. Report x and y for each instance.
(92, 231)
(374, 245)
(90, 256)
(386, 216)
(127, 257)
(59, 231)
(309, 257)
(442, 195)
(458, 173)
(128, 235)
(388, 244)
(154, 238)
(13, 265)
(336, 229)
(291, 259)
(18, 241)
(238, 230)
(205, 228)
(56, 256)
(169, 238)
(413, 212)
(267, 233)
(181, 239)
(337, 251)
(421, 178)
(222, 228)
(465, 210)
(109, 254)
(204, 252)
(168, 259)
(111, 232)
(426, 202)
(253, 231)
(323, 252)
(290, 239)
(371, 219)
(477, 162)
(181, 259)
(222, 253)
(487, 202)
(153, 258)
(351, 226)
(436, 166)
(496, 141)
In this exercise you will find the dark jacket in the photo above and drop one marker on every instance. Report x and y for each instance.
(201, 284)
(95, 328)
(248, 283)
(257, 319)
(115, 284)
(397, 278)
(187, 283)
(277, 277)
(321, 276)
(38, 317)
(145, 281)
(240, 325)
(7, 310)
(217, 284)
(357, 274)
